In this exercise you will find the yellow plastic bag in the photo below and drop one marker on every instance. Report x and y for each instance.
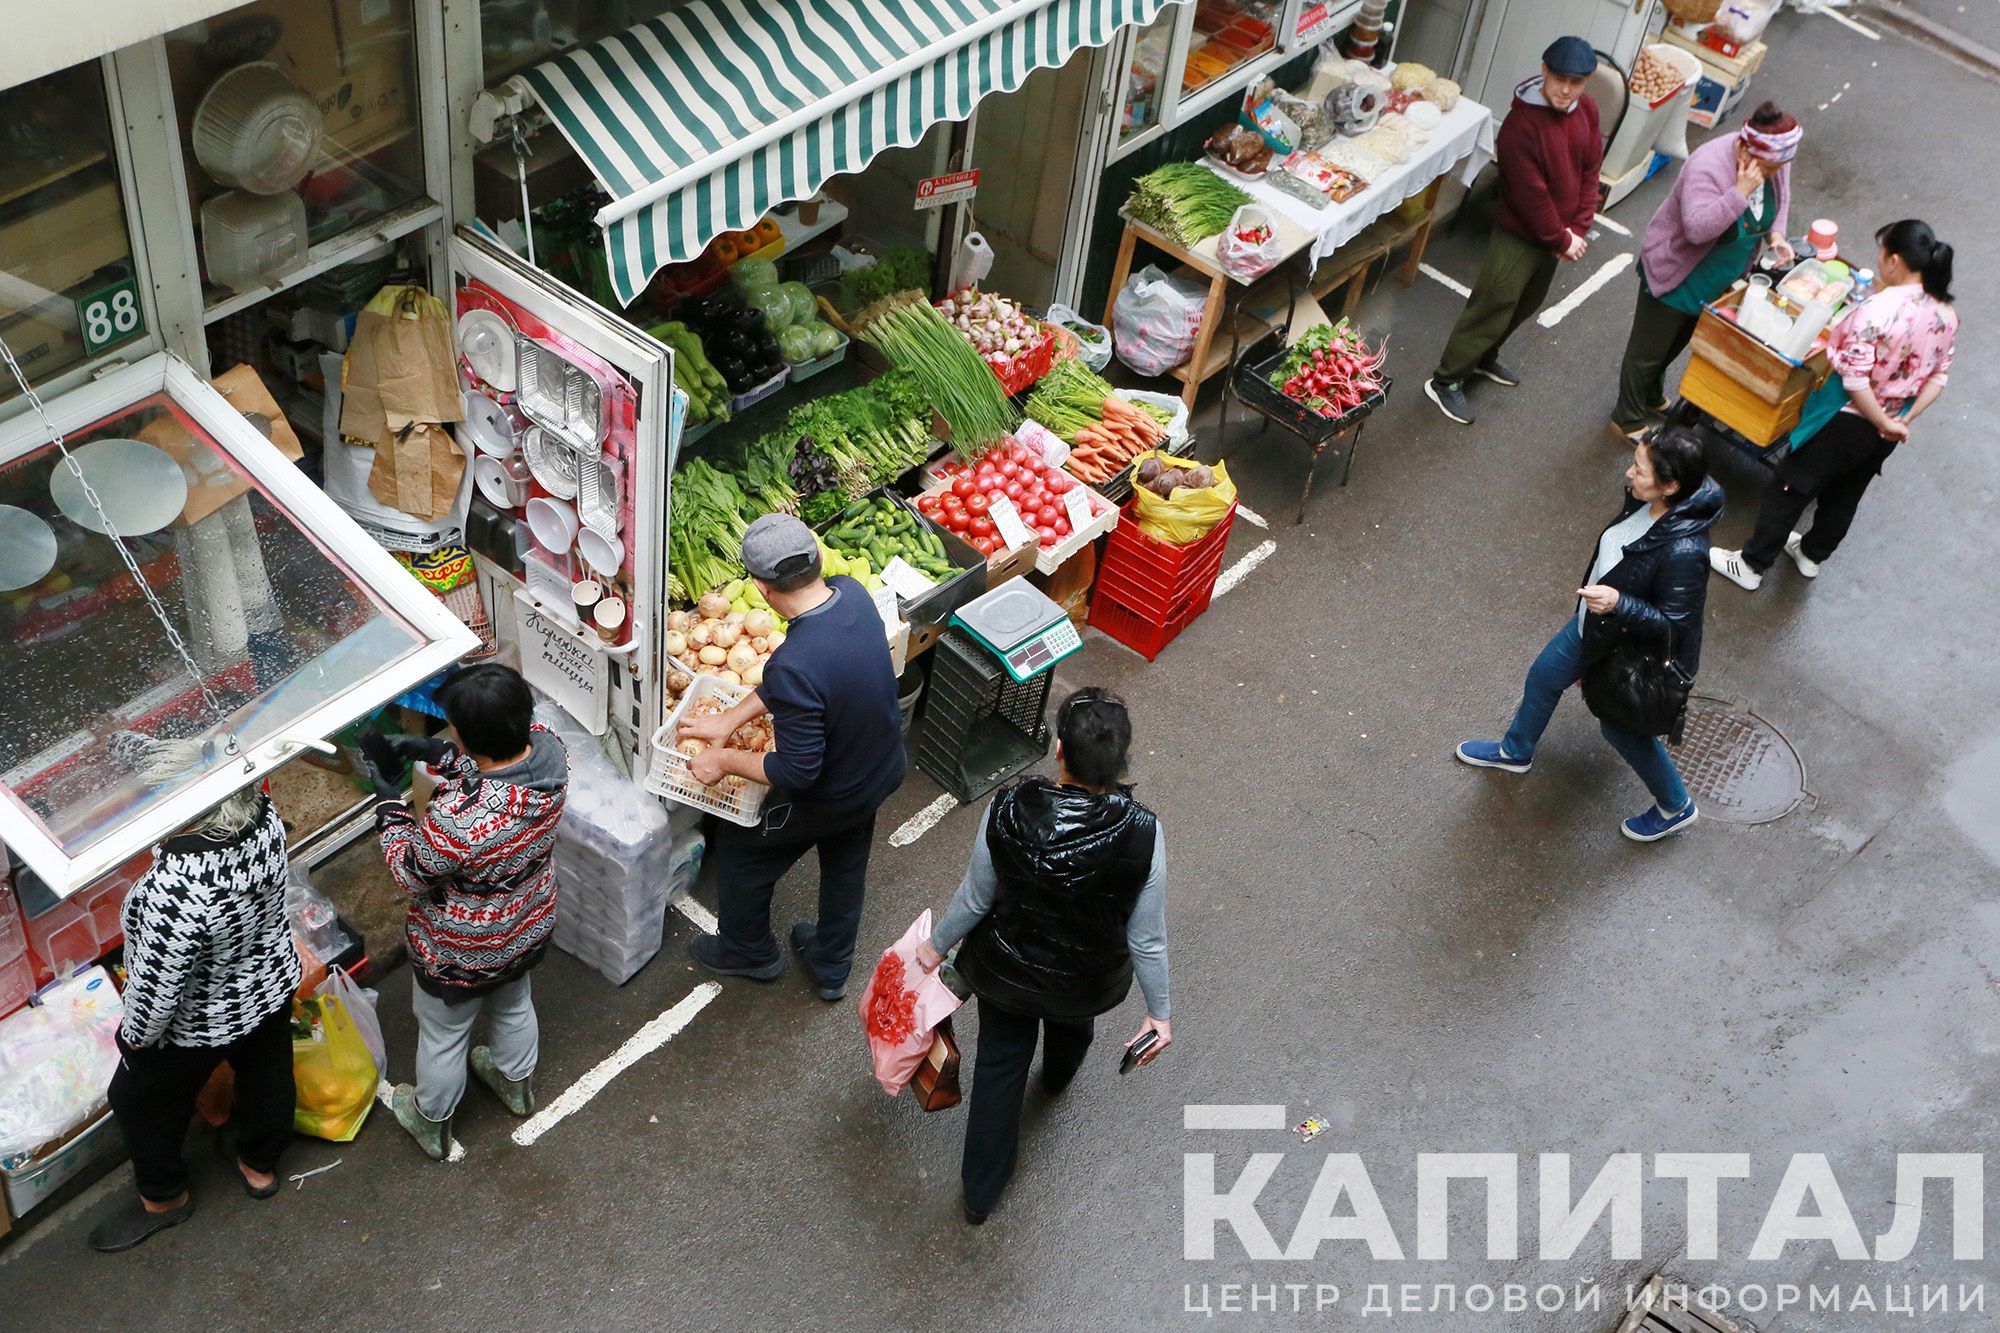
(1186, 515)
(335, 1071)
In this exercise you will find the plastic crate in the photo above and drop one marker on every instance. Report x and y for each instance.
(13, 935)
(1253, 386)
(61, 938)
(979, 726)
(805, 370)
(17, 981)
(1157, 572)
(1136, 628)
(751, 397)
(669, 775)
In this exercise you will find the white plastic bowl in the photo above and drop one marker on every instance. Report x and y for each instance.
(605, 555)
(553, 522)
(256, 130)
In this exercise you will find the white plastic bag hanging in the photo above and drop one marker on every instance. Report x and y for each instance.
(1248, 247)
(1156, 319)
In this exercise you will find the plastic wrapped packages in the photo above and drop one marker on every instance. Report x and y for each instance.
(55, 1063)
(1444, 93)
(613, 859)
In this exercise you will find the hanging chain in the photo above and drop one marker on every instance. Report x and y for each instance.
(111, 530)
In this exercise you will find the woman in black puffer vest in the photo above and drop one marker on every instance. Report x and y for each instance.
(1648, 580)
(1064, 901)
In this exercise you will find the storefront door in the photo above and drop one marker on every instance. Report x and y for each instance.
(611, 532)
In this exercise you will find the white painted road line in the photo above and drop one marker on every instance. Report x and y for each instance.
(657, 1033)
(384, 1091)
(1452, 283)
(1249, 515)
(1586, 289)
(1616, 228)
(1195, 1115)
(1235, 574)
(704, 920)
(1847, 22)
(923, 821)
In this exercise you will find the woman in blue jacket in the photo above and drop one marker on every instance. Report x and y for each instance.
(1648, 578)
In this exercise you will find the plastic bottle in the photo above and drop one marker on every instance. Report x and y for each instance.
(1864, 285)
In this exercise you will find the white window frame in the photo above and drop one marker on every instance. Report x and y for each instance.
(445, 639)
(1185, 107)
(123, 156)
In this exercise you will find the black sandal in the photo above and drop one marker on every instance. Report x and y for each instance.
(226, 1140)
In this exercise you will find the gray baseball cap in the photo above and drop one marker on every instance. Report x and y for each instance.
(779, 546)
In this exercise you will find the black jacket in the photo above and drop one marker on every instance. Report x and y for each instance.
(1662, 580)
(1070, 865)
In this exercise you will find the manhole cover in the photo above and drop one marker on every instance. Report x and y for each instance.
(1740, 768)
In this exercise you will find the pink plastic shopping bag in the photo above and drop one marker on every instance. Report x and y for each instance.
(900, 1006)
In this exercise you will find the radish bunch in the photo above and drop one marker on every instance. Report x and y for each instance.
(1331, 370)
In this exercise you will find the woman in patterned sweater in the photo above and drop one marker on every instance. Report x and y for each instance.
(479, 872)
(210, 968)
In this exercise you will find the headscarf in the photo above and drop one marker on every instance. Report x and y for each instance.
(1779, 143)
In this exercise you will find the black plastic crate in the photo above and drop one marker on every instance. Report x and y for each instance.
(979, 726)
(1252, 382)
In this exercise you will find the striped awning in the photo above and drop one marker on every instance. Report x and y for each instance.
(702, 120)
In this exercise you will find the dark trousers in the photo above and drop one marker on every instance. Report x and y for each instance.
(751, 861)
(1837, 485)
(153, 1091)
(1513, 282)
(1659, 334)
(999, 1081)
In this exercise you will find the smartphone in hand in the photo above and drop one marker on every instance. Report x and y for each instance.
(1136, 1050)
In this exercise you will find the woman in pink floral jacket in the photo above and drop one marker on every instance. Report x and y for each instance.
(1890, 357)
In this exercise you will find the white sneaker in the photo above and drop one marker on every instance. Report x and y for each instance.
(1730, 565)
(1809, 568)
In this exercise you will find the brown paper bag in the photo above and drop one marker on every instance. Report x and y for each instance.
(418, 472)
(401, 368)
(212, 483)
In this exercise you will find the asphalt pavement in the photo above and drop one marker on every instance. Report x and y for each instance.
(1432, 959)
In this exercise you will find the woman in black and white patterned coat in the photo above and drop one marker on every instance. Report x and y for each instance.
(211, 968)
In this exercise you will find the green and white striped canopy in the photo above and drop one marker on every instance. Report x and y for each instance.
(704, 119)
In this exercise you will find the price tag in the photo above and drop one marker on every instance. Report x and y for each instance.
(905, 580)
(1315, 20)
(1013, 532)
(885, 606)
(1077, 501)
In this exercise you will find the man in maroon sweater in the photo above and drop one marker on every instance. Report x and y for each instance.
(1550, 150)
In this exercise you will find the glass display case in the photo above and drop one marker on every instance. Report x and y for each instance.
(1228, 35)
(68, 289)
(1146, 75)
(298, 122)
(175, 578)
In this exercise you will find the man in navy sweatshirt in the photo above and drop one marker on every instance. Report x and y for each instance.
(1550, 150)
(831, 692)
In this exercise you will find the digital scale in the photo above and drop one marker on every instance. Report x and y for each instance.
(1020, 626)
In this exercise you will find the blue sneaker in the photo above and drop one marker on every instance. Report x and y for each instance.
(1488, 754)
(1651, 826)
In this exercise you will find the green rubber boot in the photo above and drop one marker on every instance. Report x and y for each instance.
(433, 1136)
(516, 1094)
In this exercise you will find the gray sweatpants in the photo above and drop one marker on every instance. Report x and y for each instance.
(444, 1037)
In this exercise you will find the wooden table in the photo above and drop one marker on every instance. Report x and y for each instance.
(1347, 268)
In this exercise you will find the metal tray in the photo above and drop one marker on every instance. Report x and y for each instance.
(555, 465)
(597, 496)
(558, 395)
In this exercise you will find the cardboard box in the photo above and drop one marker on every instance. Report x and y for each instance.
(1714, 99)
(1726, 68)
(355, 58)
(61, 245)
(94, 1142)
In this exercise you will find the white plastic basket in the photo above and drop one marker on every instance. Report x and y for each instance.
(1104, 517)
(669, 775)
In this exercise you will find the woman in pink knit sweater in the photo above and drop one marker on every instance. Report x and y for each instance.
(1732, 197)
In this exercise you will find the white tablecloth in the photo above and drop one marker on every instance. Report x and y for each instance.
(1463, 140)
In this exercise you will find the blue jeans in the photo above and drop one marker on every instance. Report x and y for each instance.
(1560, 666)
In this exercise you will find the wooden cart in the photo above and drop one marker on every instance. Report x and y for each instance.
(1740, 383)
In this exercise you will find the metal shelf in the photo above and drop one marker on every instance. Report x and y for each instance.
(341, 249)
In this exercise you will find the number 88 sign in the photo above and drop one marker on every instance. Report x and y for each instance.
(110, 315)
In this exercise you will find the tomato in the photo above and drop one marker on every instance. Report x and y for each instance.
(927, 503)
(976, 505)
(963, 487)
(983, 527)
(1047, 515)
(956, 520)
(1061, 526)
(1059, 483)
(1014, 491)
(1047, 534)
(987, 545)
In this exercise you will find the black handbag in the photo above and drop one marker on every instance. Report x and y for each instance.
(1640, 687)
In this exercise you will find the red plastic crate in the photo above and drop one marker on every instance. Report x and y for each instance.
(17, 982)
(1155, 572)
(1135, 628)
